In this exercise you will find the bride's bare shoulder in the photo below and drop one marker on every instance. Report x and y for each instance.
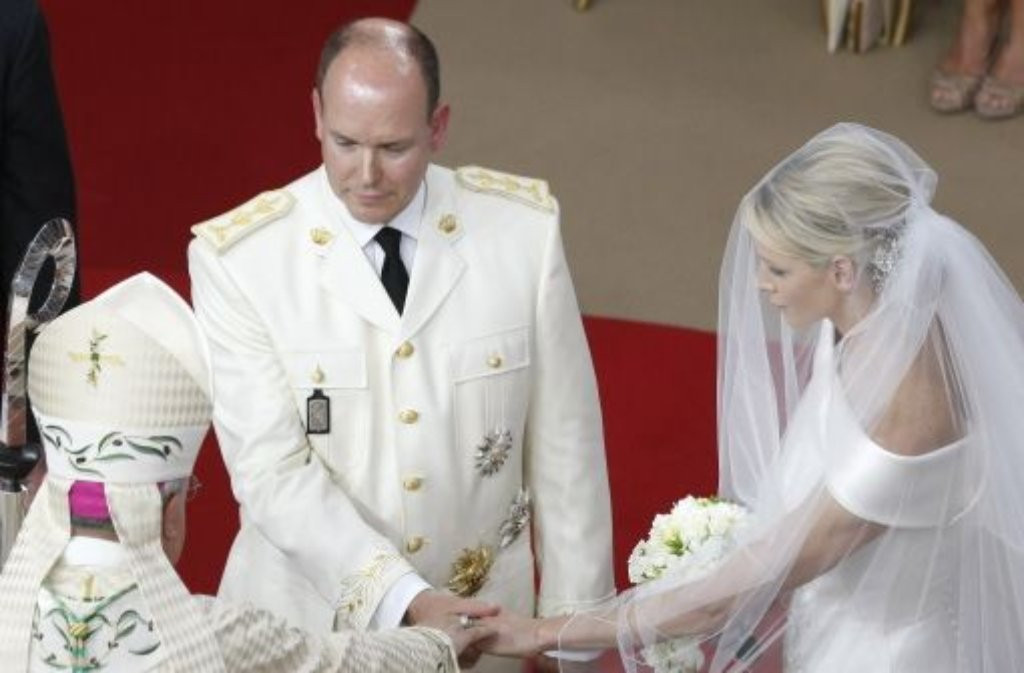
(925, 412)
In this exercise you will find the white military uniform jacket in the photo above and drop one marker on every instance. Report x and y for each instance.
(92, 617)
(364, 445)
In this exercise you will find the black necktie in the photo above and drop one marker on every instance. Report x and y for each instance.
(393, 275)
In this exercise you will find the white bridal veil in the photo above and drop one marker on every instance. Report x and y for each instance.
(882, 466)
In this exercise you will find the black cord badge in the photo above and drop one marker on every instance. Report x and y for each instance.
(318, 413)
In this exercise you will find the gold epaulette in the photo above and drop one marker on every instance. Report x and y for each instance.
(225, 230)
(529, 191)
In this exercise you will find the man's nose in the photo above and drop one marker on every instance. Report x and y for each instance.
(369, 170)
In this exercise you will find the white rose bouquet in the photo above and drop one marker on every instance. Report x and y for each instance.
(687, 543)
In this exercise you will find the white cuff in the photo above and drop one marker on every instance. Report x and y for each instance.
(574, 655)
(393, 606)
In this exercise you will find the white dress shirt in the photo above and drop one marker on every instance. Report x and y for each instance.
(407, 222)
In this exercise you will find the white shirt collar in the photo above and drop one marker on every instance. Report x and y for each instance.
(407, 221)
(91, 551)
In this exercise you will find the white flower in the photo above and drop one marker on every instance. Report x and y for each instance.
(688, 542)
(680, 655)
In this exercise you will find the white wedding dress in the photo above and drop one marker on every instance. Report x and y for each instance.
(845, 620)
(910, 562)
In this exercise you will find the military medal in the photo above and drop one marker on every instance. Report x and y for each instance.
(318, 413)
(469, 571)
(492, 451)
(518, 517)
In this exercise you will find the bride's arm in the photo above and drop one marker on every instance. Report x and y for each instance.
(919, 419)
(834, 535)
(698, 607)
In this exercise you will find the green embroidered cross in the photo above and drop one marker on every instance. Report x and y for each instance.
(95, 358)
(77, 630)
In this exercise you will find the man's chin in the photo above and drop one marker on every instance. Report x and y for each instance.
(371, 214)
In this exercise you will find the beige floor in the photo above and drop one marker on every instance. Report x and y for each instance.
(651, 119)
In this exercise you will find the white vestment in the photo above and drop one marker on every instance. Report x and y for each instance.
(91, 616)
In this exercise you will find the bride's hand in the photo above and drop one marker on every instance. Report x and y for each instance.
(518, 636)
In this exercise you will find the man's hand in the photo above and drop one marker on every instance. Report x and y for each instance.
(458, 617)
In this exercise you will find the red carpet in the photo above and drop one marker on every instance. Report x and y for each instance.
(178, 110)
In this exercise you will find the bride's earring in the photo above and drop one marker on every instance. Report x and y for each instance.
(843, 274)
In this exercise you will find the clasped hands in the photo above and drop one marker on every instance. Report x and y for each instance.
(476, 627)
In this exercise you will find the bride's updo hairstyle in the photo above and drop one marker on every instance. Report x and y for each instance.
(838, 196)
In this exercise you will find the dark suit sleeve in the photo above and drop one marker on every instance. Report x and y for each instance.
(36, 181)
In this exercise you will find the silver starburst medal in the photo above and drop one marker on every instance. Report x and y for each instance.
(493, 450)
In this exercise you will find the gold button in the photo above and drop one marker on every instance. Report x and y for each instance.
(408, 416)
(405, 350)
(412, 483)
(448, 224)
(318, 375)
(320, 236)
(494, 361)
(414, 544)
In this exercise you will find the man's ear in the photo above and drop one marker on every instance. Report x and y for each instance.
(439, 126)
(172, 532)
(843, 273)
(174, 515)
(317, 115)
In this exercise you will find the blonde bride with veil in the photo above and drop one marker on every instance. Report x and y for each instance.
(870, 397)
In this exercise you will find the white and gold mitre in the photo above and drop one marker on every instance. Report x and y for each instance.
(121, 388)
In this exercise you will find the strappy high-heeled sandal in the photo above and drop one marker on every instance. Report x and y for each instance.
(953, 92)
(997, 99)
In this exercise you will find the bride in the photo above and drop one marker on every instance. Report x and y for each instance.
(871, 418)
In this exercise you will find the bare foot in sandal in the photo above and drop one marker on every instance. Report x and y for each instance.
(961, 70)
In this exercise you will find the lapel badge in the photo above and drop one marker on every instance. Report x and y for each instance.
(469, 571)
(448, 224)
(518, 517)
(320, 236)
(318, 413)
(493, 451)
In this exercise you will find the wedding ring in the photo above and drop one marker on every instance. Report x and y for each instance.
(465, 621)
